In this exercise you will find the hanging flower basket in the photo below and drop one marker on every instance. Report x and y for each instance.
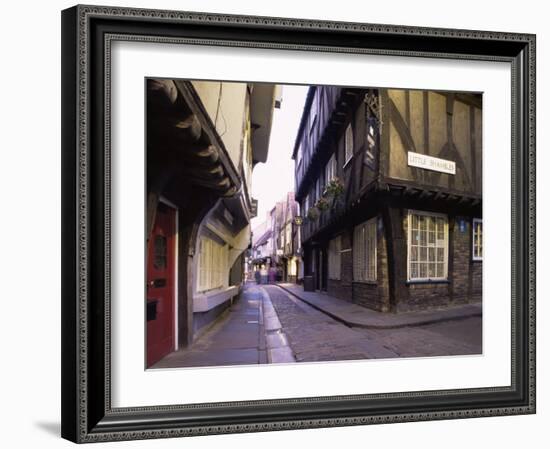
(334, 188)
(313, 213)
(322, 204)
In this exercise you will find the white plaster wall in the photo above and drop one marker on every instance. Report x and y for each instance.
(225, 104)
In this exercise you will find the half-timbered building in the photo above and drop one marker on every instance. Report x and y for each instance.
(390, 185)
(286, 253)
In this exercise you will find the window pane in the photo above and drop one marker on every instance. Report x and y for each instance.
(415, 237)
(364, 251)
(423, 254)
(357, 244)
(478, 239)
(414, 270)
(160, 251)
(371, 249)
(439, 271)
(422, 238)
(414, 254)
(440, 254)
(440, 224)
(422, 223)
(431, 270)
(423, 270)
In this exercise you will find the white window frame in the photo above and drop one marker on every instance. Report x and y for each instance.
(360, 274)
(334, 258)
(476, 221)
(445, 276)
(348, 144)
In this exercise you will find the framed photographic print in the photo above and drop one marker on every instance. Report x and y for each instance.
(283, 223)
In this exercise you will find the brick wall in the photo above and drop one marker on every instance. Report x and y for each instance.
(477, 282)
(462, 240)
(425, 296)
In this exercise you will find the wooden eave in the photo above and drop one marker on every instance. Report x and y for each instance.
(185, 145)
(186, 90)
(416, 191)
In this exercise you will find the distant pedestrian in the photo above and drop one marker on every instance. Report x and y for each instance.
(272, 275)
(257, 276)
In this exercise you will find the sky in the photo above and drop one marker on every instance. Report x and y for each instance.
(272, 180)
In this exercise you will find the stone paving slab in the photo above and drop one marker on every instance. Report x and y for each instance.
(357, 316)
(235, 338)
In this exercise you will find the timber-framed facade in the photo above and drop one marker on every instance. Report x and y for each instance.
(390, 184)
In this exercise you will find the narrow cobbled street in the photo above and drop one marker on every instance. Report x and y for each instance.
(314, 336)
(268, 324)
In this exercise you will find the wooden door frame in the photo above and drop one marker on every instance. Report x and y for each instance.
(175, 292)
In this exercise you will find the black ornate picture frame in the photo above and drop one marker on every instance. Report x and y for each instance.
(87, 34)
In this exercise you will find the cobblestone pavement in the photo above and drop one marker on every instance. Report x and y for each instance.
(314, 336)
(269, 325)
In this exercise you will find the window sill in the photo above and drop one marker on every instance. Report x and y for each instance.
(205, 301)
(428, 281)
(477, 260)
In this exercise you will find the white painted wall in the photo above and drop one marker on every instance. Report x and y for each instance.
(30, 387)
(225, 104)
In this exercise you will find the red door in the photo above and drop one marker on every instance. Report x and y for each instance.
(161, 282)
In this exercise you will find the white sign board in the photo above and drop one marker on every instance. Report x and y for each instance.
(431, 163)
